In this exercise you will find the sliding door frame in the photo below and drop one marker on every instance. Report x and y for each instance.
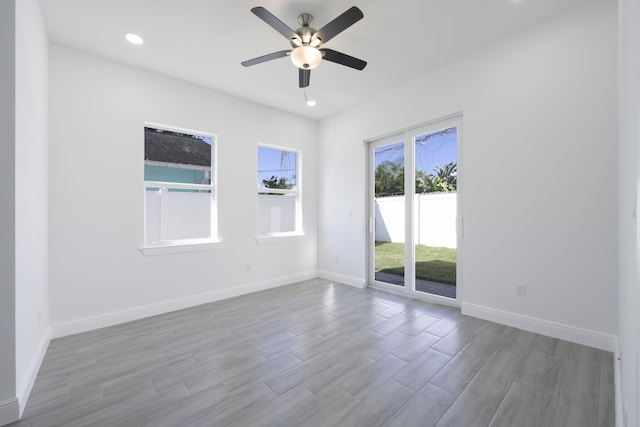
(408, 136)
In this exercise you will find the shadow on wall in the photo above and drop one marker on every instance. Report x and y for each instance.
(382, 233)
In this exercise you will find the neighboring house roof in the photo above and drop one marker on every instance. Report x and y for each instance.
(171, 148)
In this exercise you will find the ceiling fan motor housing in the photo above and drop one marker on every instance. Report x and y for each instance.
(306, 33)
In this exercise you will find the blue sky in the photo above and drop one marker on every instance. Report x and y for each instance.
(272, 163)
(434, 149)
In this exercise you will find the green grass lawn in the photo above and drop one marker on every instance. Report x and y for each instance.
(432, 263)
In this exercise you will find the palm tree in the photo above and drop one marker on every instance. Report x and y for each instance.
(389, 178)
(275, 182)
(446, 177)
(424, 182)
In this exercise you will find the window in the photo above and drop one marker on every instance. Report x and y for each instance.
(179, 182)
(278, 191)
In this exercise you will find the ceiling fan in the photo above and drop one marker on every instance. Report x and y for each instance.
(306, 53)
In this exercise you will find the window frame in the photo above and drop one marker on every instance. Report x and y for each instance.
(296, 191)
(165, 246)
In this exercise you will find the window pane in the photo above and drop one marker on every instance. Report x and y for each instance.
(389, 213)
(277, 211)
(435, 212)
(276, 168)
(177, 213)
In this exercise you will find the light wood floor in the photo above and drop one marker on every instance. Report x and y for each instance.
(320, 354)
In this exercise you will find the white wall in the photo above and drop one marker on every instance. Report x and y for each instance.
(98, 276)
(628, 173)
(32, 195)
(8, 402)
(539, 114)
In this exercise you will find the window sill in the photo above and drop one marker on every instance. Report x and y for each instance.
(269, 239)
(151, 249)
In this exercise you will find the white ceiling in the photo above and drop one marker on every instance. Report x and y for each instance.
(204, 41)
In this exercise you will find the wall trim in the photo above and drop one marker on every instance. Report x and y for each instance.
(26, 385)
(9, 411)
(341, 278)
(101, 321)
(552, 329)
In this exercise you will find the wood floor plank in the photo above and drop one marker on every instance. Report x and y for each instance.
(275, 410)
(298, 374)
(328, 382)
(424, 409)
(418, 373)
(416, 325)
(606, 397)
(475, 407)
(378, 405)
(415, 346)
(324, 411)
(234, 407)
(458, 373)
(501, 368)
(574, 401)
(540, 371)
(262, 373)
(375, 375)
(523, 406)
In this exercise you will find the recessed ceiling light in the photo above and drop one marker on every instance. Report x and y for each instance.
(311, 103)
(134, 38)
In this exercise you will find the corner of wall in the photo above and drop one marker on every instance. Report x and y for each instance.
(341, 278)
(25, 387)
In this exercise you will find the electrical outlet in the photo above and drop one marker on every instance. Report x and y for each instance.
(521, 290)
(247, 268)
(337, 260)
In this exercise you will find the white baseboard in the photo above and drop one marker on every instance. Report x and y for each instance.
(110, 319)
(340, 278)
(9, 411)
(552, 329)
(25, 386)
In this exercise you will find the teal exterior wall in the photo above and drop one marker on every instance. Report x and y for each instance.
(167, 174)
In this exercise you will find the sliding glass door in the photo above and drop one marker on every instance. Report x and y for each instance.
(414, 242)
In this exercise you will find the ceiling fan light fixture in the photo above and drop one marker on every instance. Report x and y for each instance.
(306, 57)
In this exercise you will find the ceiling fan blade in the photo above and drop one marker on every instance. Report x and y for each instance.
(304, 76)
(339, 24)
(265, 58)
(275, 23)
(343, 59)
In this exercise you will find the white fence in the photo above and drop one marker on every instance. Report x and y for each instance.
(276, 214)
(173, 215)
(435, 219)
